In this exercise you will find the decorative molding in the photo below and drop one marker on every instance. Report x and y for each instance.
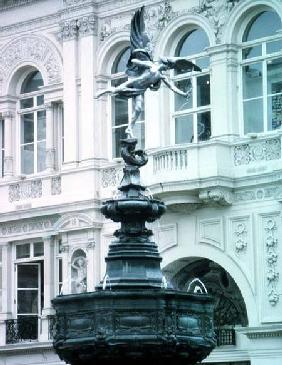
(211, 232)
(56, 185)
(257, 194)
(8, 114)
(31, 49)
(70, 222)
(266, 150)
(216, 196)
(26, 226)
(111, 177)
(241, 235)
(217, 12)
(260, 332)
(166, 236)
(272, 274)
(30, 189)
(114, 24)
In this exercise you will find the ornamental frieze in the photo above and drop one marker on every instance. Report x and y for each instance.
(26, 226)
(25, 190)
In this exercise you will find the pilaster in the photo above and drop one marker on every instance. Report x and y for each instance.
(224, 95)
(69, 30)
(9, 117)
(50, 147)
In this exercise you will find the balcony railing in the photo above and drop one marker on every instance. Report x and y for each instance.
(22, 329)
(225, 336)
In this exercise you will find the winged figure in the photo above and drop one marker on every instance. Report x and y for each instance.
(145, 73)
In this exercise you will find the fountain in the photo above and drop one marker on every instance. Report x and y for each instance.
(134, 314)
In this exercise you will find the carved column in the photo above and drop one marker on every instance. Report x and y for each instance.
(8, 143)
(50, 148)
(69, 31)
(49, 283)
(87, 30)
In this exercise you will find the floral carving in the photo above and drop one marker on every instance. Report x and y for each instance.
(26, 226)
(68, 29)
(272, 275)
(111, 177)
(31, 49)
(25, 190)
(56, 187)
(87, 25)
(241, 237)
(266, 150)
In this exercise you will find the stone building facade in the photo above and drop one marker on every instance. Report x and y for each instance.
(214, 159)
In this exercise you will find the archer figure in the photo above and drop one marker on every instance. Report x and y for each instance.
(144, 73)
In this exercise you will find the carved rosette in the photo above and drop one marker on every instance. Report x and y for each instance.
(31, 49)
(240, 237)
(272, 274)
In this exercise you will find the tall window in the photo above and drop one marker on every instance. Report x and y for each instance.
(262, 73)
(33, 125)
(2, 131)
(121, 107)
(192, 116)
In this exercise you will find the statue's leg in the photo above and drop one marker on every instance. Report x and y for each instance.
(137, 108)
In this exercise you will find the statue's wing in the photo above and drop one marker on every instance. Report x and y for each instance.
(180, 64)
(139, 44)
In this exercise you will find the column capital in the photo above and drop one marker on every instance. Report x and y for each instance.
(87, 25)
(48, 105)
(8, 114)
(68, 29)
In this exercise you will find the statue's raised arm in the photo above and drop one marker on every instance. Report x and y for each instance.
(144, 73)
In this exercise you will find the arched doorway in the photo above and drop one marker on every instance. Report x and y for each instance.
(230, 308)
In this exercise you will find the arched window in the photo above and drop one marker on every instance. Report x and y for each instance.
(121, 107)
(33, 124)
(262, 73)
(192, 116)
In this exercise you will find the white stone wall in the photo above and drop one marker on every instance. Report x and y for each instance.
(223, 196)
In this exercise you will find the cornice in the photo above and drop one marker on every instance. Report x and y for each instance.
(16, 3)
(255, 333)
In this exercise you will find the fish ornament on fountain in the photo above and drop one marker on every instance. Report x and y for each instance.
(135, 314)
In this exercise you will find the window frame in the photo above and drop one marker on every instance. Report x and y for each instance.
(2, 146)
(263, 59)
(194, 111)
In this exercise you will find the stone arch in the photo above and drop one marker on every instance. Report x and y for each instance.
(242, 14)
(110, 50)
(176, 29)
(176, 260)
(29, 50)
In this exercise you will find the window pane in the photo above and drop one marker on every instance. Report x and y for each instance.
(27, 128)
(40, 99)
(27, 159)
(26, 103)
(121, 61)
(263, 25)
(203, 62)
(251, 52)
(204, 126)
(274, 76)
(23, 251)
(32, 82)
(203, 90)
(119, 110)
(275, 46)
(192, 43)
(41, 156)
(38, 249)
(253, 116)
(274, 112)
(252, 80)
(184, 129)
(27, 276)
(27, 301)
(118, 134)
(139, 133)
(41, 125)
(181, 102)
